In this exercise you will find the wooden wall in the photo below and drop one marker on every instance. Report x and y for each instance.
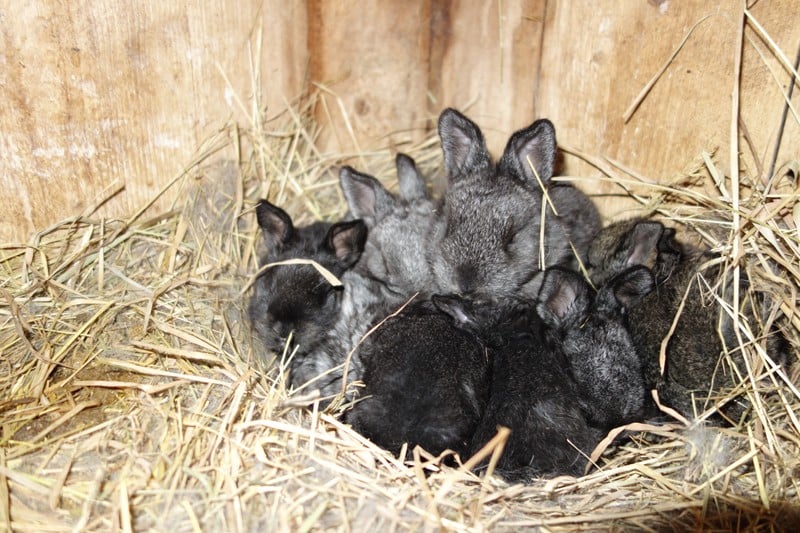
(100, 94)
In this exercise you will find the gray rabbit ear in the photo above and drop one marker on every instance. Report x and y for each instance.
(641, 246)
(456, 308)
(412, 186)
(629, 287)
(275, 223)
(463, 145)
(534, 145)
(564, 298)
(346, 241)
(365, 195)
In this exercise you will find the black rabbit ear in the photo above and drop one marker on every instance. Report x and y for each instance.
(346, 241)
(641, 246)
(365, 195)
(456, 308)
(463, 145)
(275, 222)
(626, 289)
(564, 298)
(412, 186)
(531, 148)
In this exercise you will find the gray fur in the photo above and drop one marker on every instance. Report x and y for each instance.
(395, 248)
(695, 367)
(592, 334)
(487, 240)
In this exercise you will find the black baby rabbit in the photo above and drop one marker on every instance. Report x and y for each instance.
(296, 298)
(426, 382)
(532, 392)
(326, 321)
(395, 250)
(688, 277)
(590, 330)
(492, 238)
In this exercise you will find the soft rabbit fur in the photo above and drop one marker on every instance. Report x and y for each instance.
(395, 250)
(487, 241)
(326, 321)
(532, 392)
(694, 365)
(426, 382)
(296, 298)
(590, 330)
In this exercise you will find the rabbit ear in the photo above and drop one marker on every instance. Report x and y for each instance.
(641, 246)
(564, 298)
(275, 223)
(412, 186)
(365, 195)
(534, 145)
(346, 241)
(626, 289)
(456, 308)
(462, 143)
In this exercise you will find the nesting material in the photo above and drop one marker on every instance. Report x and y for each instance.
(136, 399)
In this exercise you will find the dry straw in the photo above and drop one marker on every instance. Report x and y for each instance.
(134, 398)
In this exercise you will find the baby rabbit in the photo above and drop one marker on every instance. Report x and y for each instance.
(694, 353)
(426, 382)
(488, 238)
(590, 329)
(395, 248)
(296, 298)
(532, 392)
(326, 321)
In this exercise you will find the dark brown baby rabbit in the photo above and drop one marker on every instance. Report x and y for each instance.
(426, 382)
(695, 363)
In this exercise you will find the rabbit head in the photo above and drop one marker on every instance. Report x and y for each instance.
(628, 243)
(591, 331)
(488, 237)
(395, 248)
(296, 298)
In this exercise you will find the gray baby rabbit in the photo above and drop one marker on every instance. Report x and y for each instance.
(488, 239)
(694, 365)
(532, 392)
(296, 298)
(395, 248)
(590, 329)
(426, 382)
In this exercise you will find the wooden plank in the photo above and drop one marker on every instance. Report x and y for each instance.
(372, 59)
(97, 93)
(596, 62)
(485, 59)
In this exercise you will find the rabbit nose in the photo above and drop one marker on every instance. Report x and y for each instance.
(465, 278)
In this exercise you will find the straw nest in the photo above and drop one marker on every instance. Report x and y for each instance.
(136, 399)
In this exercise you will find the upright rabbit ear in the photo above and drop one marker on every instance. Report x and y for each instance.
(642, 244)
(275, 223)
(365, 195)
(456, 308)
(463, 145)
(412, 186)
(346, 241)
(626, 289)
(564, 298)
(534, 145)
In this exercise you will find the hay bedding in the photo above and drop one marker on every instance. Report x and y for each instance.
(135, 399)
